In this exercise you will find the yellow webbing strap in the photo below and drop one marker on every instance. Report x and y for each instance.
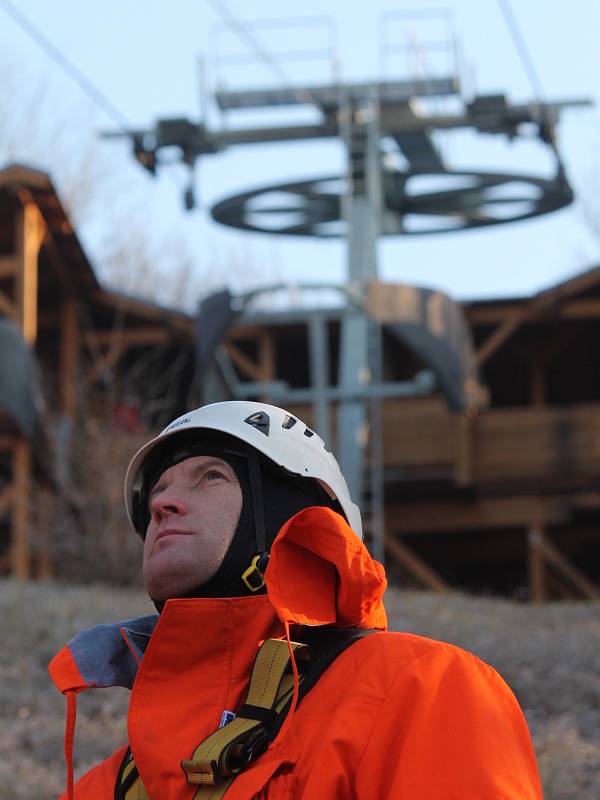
(222, 755)
(136, 791)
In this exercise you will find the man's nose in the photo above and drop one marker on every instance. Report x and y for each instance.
(168, 501)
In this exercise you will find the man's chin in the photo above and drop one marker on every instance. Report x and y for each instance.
(163, 584)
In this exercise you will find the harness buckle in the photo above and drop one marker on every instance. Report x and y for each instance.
(253, 576)
(246, 751)
(201, 772)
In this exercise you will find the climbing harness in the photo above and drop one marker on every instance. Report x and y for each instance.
(219, 758)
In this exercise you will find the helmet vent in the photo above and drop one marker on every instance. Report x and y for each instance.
(309, 433)
(288, 422)
(260, 420)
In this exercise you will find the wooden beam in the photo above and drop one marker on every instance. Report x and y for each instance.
(550, 300)
(108, 360)
(415, 565)
(129, 305)
(6, 498)
(8, 266)
(21, 518)
(70, 343)
(30, 233)
(587, 501)
(130, 337)
(576, 285)
(503, 332)
(56, 259)
(582, 308)
(8, 308)
(43, 518)
(491, 313)
(540, 356)
(16, 175)
(266, 356)
(246, 332)
(246, 366)
(559, 587)
(552, 555)
(479, 513)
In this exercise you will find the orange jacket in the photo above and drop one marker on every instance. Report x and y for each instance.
(395, 716)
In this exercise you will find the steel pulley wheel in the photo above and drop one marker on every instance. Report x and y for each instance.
(414, 202)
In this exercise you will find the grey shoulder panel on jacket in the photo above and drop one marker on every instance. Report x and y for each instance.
(108, 655)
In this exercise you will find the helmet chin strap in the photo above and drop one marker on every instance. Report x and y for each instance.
(253, 577)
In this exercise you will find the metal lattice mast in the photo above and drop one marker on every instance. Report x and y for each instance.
(363, 207)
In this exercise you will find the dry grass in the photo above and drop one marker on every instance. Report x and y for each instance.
(550, 656)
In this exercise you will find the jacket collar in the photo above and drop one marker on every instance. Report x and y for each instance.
(320, 573)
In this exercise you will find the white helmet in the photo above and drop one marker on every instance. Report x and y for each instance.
(274, 432)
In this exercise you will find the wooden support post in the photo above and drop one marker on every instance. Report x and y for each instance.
(266, 360)
(70, 338)
(21, 527)
(69, 357)
(8, 266)
(42, 526)
(503, 332)
(6, 499)
(537, 568)
(7, 308)
(552, 555)
(29, 230)
(266, 357)
(246, 366)
(540, 358)
(108, 360)
(415, 565)
(558, 587)
(29, 240)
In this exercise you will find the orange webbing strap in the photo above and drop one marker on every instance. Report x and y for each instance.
(222, 755)
(70, 739)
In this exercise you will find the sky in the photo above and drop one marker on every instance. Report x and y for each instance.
(144, 57)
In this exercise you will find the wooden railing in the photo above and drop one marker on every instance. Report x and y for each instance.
(534, 445)
(553, 445)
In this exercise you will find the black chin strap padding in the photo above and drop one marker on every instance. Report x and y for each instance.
(140, 519)
(257, 500)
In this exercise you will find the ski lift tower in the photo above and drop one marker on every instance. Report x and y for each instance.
(397, 182)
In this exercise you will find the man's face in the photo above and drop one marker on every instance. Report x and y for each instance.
(195, 506)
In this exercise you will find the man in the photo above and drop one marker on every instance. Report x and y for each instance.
(252, 548)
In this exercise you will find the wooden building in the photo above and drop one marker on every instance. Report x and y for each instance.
(82, 337)
(507, 499)
(504, 500)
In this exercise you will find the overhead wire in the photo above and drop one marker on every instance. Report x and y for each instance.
(71, 70)
(546, 126)
(68, 67)
(522, 49)
(305, 95)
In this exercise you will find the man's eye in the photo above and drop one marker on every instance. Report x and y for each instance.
(213, 474)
